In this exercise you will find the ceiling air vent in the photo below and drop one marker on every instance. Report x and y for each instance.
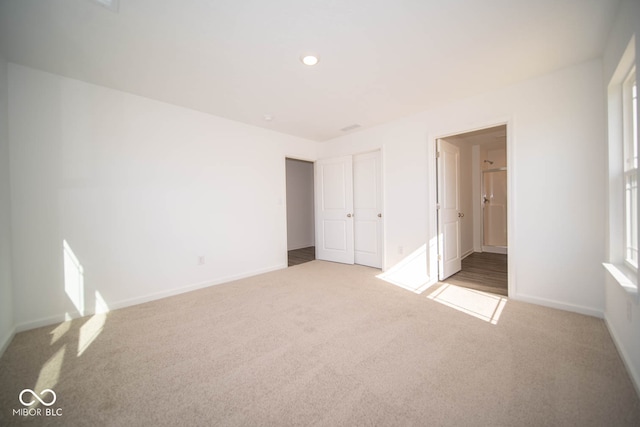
(112, 5)
(350, 127)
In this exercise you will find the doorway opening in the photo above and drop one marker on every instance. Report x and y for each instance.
(472, 196)
(300, 212)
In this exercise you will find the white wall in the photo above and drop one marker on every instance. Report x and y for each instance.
(139, 190)
(300, 204)
(6, 293)
(556, 129)
(622, 310)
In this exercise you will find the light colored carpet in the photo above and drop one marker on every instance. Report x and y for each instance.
(320, 344)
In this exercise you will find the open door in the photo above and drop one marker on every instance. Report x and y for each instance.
(334, 209)
(449, 251)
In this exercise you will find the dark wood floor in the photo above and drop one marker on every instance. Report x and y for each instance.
(483, 271)
(300, 256)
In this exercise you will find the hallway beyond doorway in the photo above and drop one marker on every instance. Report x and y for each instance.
(483, 271)
(300, 256)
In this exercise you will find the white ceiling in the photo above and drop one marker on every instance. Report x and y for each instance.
(239, 59)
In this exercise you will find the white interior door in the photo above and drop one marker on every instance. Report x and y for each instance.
(367, 209)
(334, 209)
(449, 253)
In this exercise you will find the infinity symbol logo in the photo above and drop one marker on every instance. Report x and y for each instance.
(33, 393)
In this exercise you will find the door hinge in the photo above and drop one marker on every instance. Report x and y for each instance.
(439, 257)
(437, 154)
(437, 205)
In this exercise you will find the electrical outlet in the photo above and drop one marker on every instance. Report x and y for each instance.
(201, 260)
(629, 311)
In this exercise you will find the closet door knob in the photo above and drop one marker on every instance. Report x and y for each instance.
(348, 215)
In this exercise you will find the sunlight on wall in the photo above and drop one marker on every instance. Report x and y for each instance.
(101, 304)
(50, 372)
(432, 259)
(410, 273)
(482, 305)
(73, 278)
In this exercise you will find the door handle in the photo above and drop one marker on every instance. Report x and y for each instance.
(460, 214)
(349, 215)
(379, 215)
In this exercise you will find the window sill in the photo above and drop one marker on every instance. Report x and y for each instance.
(625, 277)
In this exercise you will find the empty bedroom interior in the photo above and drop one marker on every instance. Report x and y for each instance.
(156, 157)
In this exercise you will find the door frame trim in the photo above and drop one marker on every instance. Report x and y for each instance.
(432, 217)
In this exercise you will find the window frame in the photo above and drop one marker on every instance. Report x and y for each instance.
(619, 269)
(630, 169)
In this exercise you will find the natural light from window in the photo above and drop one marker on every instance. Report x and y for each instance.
(73, 278)
(90, 331)
(622, 118)
(59, 331)
(410, 273)
(50, 373)
(94, 326)
(630, 132)
(481, 305)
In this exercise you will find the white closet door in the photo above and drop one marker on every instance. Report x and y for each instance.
(367, 205)
(334, 209)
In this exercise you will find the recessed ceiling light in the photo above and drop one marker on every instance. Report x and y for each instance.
(268, 117)
(309, 60)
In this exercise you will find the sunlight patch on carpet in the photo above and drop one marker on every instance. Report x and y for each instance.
(410, 273)
(94, 326)
(482, 305)
(50, 372)
(90, 331)
(59, 331)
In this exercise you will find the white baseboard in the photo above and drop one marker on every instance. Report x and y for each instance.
(589, 311)
(43, 321)
(7, 340)
(466, 254)
(296, 247)
(58, 318)
(626, 359)
(495, 249)
(192, 287)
